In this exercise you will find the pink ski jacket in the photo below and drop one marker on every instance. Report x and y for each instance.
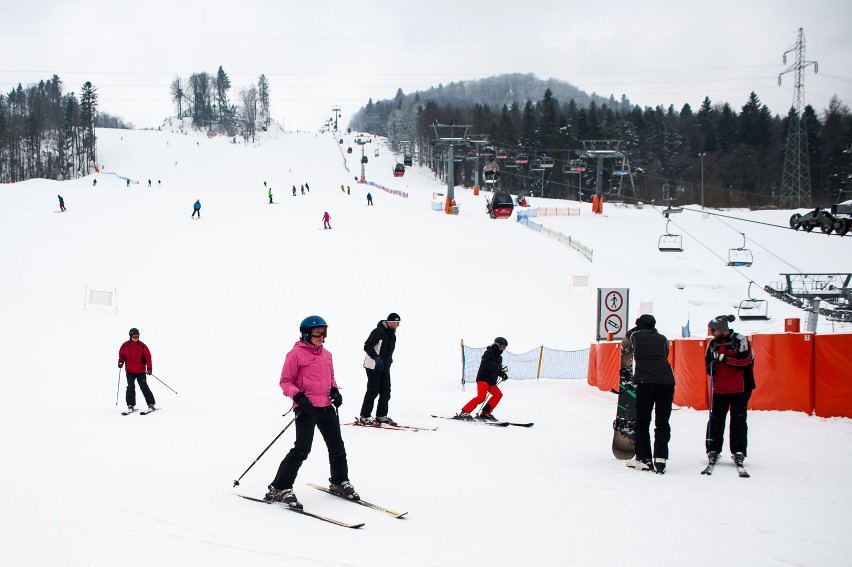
(308, 369)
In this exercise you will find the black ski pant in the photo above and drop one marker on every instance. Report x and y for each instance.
(738, 404)
(326, 420)
(378, 384)
(130, 395)
(657, 397)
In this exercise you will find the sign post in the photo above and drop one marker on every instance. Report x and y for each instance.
(613, 313)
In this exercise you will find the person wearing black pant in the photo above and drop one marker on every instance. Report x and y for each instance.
(379, 348)
(655, 385)
(729, 361)
(136, 355)
(308, 378)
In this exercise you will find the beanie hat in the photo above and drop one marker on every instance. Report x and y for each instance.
(393, 318)
(646, 321)
(718, 324)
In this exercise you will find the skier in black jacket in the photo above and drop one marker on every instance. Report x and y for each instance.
(655, 384)
(491, 372)
(379, 348)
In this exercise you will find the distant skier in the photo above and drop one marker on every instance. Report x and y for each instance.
(294, 190)
(196, 209)
(342, 188)
(94, 182)
(138, 359)
(270, 193)
(128, 183)
(326, 220)
(369, 199)
(149, 183)
(61, 203)
(308, 187)
(303, 189)
(491, 372)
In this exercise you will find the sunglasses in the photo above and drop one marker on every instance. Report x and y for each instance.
(319, 334)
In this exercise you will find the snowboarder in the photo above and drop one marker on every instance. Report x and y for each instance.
(136, 355)
(61, 203)
(729, 361)
(326, 220)
(654, 382)
(379, 348)
(491, 372)
(270, 193)
(196, 209)
(369, 200)
(308, 379)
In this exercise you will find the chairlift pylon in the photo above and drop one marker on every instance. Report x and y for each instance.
(740, 257)
(752, 309)
(669, 242)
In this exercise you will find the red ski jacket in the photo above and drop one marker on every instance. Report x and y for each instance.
(135, 356)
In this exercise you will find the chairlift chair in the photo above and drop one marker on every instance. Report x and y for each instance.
(522, 159)
(511, 162)
(752, 309)
(407, 160)
(740, 257)
(501, 154)
(398, 170)
(669, 242)
(546, 162)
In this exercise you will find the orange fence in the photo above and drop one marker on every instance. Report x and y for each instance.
(793, 371)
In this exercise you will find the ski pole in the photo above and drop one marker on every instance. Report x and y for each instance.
(237, 482)
(500, 380)
(163, 383)
(118, 386)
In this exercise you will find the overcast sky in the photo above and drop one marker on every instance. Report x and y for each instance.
(328, 53)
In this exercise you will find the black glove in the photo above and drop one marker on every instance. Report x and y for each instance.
(303, 404)
(380, 364)
(336, 397)
(504, 376)
(120, 364)
(148, 372)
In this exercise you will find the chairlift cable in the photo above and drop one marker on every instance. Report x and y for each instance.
(782, 260)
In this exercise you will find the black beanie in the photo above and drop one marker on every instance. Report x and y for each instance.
(393, 318)
(646, 321)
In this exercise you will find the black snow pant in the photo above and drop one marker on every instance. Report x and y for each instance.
(326, 420)
(130, 396)
(738, 404)
(659, 398)
(378, 384)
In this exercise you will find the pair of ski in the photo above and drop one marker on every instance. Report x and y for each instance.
(397, 515)
(484, 422)
(146, 412)
(708, 470)
(392, 426)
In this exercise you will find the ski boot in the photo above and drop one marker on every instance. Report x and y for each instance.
(368, 421)
(712, 457)
(463, 416)
(660, 465)
(344, 489)
(485, 414)
(285, 496)
(643, 465)
(385, 420)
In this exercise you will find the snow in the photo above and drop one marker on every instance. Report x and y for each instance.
(219, 300)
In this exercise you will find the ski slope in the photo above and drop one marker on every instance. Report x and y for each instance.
(218, 301)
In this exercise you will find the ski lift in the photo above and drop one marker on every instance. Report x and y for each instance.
(491, 172)
(488, 152)
(341, 141)
(511, 162)
(398, 170)
(752, 309)
(376, 153)
(546, 162)
(669, 242)
(740, 257)
(407, 160)
(502, 154)
(575, 166)
(522, 159)
(349, 150)
(364, 159)
(537, 165)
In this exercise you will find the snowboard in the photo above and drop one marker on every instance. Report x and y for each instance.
(623, 440)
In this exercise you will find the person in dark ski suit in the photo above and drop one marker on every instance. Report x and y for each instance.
(491, 372)
(308, 379)
(379, 348)
(61, 203)
(729, 361)
(655, 383)
(196, 209)
(369, 199)
(135, 354)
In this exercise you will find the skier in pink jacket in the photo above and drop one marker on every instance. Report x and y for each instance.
(308, 378)
(326, 220)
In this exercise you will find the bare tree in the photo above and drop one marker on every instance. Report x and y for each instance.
(178, 95)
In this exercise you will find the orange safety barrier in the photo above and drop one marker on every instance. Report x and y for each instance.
(607, 365)
(833, 375)
(783, 372)
(691, 381)
(592, 377)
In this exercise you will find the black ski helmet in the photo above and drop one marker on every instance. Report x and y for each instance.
(311, 322)
(501, 341)
(133, 331)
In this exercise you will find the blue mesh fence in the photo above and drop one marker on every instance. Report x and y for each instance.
(540, 362)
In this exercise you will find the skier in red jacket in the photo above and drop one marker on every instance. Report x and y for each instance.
(136, 355)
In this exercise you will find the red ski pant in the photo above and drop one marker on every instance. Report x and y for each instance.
(482, 390)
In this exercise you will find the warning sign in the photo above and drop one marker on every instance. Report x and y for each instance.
(613, 306)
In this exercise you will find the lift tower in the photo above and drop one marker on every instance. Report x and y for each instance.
(451, 135)
(796, 181)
